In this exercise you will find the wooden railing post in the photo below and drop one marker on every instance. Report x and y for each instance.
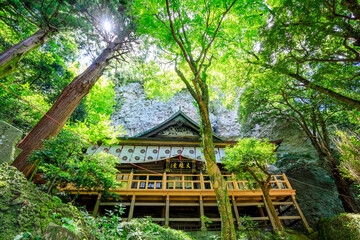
(183, 182)
(202, 181)
(164, 181)
(130, 180)
(234, 181)
(287, 181)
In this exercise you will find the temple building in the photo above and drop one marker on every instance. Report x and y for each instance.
(162, 174)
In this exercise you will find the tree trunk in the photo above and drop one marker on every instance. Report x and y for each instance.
(265, 189)
(348, 201)
(63, 107)
(10, 58)
(353, 6)
(334, 95)
(217, 180)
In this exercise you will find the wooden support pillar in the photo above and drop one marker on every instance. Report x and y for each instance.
(97, 205)
(202, 214)
(303, 219)
(131, 211)
(167, 211)
(261, 212)
(267, 208)
(236, 211)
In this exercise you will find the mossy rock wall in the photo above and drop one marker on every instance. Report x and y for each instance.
(340, 227)
(24, 208)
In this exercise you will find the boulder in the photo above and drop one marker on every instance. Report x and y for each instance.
(9, 137)
(54, 231)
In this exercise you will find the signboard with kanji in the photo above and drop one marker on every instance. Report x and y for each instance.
(185, 166)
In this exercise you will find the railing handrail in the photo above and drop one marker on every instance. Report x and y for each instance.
(278, 182)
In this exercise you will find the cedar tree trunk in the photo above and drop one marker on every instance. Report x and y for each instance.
(10, 58)
(217, 180)
(265, 189)
(349, 203)
(63, 107)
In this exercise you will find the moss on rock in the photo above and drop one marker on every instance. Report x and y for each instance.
(345, 226)
(24, 208)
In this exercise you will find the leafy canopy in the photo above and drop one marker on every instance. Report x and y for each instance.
(195, 25)
(249, 159)
(62, 160)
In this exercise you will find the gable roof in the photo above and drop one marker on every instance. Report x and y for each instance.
(179, 118)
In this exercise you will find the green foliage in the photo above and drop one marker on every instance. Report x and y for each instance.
(62, 160)
(100, 100)
(111, 226)
(344, 226)
(206, 221)
(195, 25)
(48, 71)
(107, 226)
(316, 40)
(348, 145)
(145, 229)
(249, 159)
(247, 228)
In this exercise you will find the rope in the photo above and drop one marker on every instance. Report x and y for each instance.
(327, 190)
(52, 119)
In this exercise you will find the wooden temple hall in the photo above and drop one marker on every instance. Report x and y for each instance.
(182, 193)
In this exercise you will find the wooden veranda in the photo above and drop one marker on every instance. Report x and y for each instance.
(181, 200)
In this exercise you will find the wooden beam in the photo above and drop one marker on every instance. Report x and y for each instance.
(250, 204)
(184, 219)
(131, 211)
(185, 204)
(167, 211)
(236, 212)
(259, 218)
(283, 203)
(202, 214)
(150, 204)
(114, 203)
(302, 216)
(289, 217)
(272, 220)
(97, 204)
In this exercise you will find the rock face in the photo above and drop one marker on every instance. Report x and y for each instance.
(316, 192)
(315, 189)
(9, 136)
(137, 113)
